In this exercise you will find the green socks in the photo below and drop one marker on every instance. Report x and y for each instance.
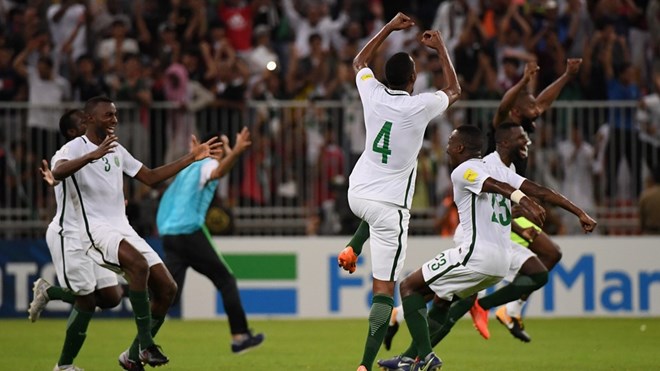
(521, 285)
(379, 319)
(134, 350)
(142, 312)
(60, 293)
(360, 236)
(456, 312)
(414, 311)
(76, 331)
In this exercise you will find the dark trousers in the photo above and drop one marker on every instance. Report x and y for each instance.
(195, 250)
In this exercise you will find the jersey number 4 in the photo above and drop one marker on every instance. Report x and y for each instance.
(384, 137)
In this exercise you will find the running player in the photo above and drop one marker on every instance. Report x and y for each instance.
(486, 247)
(382, 182)
(186, 240)
(108, 237)
(87, 284)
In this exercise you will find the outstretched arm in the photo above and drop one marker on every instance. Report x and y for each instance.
(211, 148)
(399, 22)
(66, 168)
(243, 142)
(433, 40)
(509, 98)
(47, 174)
(550, 196)
(549, 94)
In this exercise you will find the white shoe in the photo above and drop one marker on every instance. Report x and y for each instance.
(67, 368)
(39, 299)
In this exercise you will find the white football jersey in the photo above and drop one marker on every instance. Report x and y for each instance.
(66, 219)
(494, 159)
(395, 124)
(100, 183)
(485, 218)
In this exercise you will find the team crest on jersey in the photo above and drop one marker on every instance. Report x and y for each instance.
(367, 76)
(470, 175)
(117, 161)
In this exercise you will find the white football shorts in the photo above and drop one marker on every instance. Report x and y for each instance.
(76, 271)
(388, 231)
(447, 277)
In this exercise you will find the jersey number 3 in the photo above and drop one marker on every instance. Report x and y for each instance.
(384, 137)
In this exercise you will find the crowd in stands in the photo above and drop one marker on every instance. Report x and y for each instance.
(215, 56)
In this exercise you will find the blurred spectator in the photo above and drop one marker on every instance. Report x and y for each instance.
(111, 50)
(170, 47)
(21, 162)
(237, 16)
(474, 62)
(450, 20)
(574, 27)
(649, 205)
(624, 136)
(262, 55)
(133, 87)
(653, 23)
(46, 87)
(148, 17)
(64, 20)
(648, 116)
(308, 74)
(87, 82)
(190, 96)
(316, 20)
(576, 158)
(12, 85)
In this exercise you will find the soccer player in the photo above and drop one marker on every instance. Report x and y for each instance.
(381, 185)
(87, 284)
(187, 242)
(107, 236)
(485, 255)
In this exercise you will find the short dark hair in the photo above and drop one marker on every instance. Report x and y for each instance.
(470, 136)
(502, 131)
(91, 104)
(67, 121)
(398, 70)
(48, 61)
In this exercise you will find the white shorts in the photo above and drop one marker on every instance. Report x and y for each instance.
(75, 270)
(519, 255)
(447, 277)
(388, 231)
(105, 247)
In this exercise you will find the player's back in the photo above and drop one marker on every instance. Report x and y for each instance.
(395, 124)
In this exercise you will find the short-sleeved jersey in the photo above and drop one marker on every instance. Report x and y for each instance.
(494, 159)
(485, 218)
(100, 183)
(183, 207)
(395, 124)
(66, 217)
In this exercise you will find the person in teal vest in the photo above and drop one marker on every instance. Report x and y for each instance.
(187, 241)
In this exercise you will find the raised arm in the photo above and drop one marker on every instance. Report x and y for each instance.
(550, 196)
(211, 148)
(433, 40)
(549, 94)
(231, 155)
(47, 174)
(509, 98)
(399, 22)
(65, 168)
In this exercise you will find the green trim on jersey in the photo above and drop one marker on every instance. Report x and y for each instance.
(66, 279)
(206, 232)
(405, 199)
(89, 233)
(398, 250)
(474, 229)
(437, 276)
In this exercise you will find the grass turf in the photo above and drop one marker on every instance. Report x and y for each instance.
(558, 344)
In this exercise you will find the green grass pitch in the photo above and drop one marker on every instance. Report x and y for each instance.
(558, 344)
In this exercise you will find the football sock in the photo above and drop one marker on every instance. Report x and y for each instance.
(414, 309)
(134, 350)
(522, 284)
(76, 331)
(60, 293)
(514, 308)
(379, 317)
(456, 312)
(142, 313)
(360, 236)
